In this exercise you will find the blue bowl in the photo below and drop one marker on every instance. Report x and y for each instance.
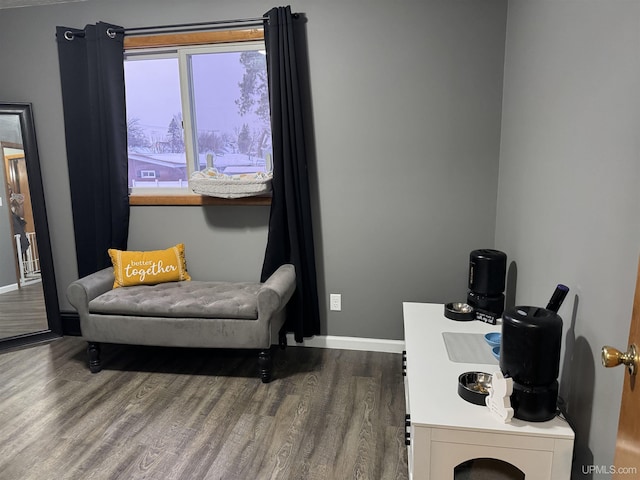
(493, 338)
(496, 352)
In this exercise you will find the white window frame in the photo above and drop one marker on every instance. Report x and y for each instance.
(183, 54)
(186, 89)
(147, 174)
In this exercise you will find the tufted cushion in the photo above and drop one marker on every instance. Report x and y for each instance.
(195, 299)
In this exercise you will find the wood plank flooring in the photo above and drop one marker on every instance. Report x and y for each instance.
(22, 311)
(167, 414)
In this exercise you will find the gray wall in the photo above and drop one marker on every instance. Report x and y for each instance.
(407, 119)
(568, 201)
(406, 100)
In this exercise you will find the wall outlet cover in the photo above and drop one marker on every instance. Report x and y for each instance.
(335, 302)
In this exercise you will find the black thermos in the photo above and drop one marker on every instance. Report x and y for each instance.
(557, 298)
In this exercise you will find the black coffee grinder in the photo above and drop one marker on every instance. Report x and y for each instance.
(487, 271)
(530, 355)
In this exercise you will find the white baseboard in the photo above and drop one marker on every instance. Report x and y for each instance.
(349, 343)
(8, 288)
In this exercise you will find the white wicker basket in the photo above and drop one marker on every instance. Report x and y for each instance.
(214, 184)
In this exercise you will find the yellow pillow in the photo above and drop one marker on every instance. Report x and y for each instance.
(148, 268)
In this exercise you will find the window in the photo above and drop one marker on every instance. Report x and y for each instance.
(192, 108)
(147, 174)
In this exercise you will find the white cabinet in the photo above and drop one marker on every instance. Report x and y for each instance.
(444, 431)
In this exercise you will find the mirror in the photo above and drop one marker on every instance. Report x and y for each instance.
(29, 310)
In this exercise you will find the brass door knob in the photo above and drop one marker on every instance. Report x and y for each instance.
(612, 357)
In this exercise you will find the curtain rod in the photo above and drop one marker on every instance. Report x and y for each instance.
(183, 27)
(186, 27)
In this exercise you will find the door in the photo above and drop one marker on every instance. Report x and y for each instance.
(20, 214)
(627, 456)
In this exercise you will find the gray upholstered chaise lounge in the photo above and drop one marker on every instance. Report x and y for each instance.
(184, 314)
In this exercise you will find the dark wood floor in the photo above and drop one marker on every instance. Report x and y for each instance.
(22, 311)
(200, 414)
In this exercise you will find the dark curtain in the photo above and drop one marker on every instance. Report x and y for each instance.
(290, 238)
(92, 78)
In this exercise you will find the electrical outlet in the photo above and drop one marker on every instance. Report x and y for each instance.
(335, 302)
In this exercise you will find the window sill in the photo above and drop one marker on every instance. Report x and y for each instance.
(189, 199)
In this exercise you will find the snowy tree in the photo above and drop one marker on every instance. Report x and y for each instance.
(254, 98)
(135, 134)
(174, 134)
(254, 91)
(211, 141)
(244, 139)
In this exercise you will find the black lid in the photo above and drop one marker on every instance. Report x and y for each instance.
(534, 318)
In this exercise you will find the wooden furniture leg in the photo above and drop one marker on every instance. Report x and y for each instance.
(265, 364)
(93, 351)
(282, 338)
